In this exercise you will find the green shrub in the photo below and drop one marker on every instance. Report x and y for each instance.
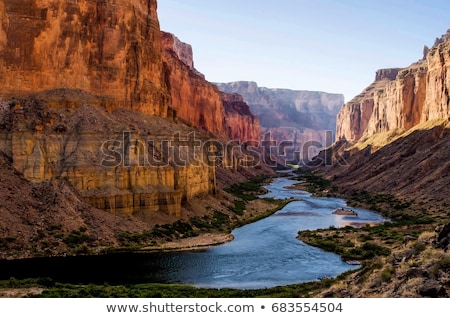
(239, 207)
(386, 274)
(219, 219)
(443, 264)
(75, 238)
(249, 190)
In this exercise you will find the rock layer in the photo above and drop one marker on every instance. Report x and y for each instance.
(394, 104)
(182, 50)
(198, 101)
(242, 125)
(122, 162)
(78, 75)
(106, 48)
(300, 118)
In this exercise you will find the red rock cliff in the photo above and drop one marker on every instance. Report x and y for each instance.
(77, 75)
(437, 102)
(241, 124)
(400, 99)
(109, 48)
(195, 100)
(198, 101)
(398, 105)
(393, 102)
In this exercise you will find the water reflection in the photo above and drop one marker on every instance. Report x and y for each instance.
(264, 254)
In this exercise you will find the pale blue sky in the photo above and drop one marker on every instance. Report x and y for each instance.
(325, 45)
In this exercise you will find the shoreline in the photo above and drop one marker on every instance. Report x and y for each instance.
(208, 240)
(198, 243)
(201, 242)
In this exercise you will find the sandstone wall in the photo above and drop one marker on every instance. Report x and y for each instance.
(398, 105)
(109, 48)
(241, 124)
(115, 166)
(76, 74)
(415, 95)
(198, 101)
(182, 50)
(387, 74)
(391, 103)
(437, 103)
(353, 118)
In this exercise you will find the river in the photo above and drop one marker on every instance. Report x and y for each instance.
(263, 254)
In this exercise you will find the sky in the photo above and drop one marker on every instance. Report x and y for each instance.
(333, 46)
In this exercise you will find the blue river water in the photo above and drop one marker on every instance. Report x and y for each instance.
(263, 254)
(267, 253)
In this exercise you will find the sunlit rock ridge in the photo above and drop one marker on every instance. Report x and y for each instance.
(400, 98)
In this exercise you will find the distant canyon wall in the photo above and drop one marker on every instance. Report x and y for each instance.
(242, 125)
(289, 115)
(400, 99)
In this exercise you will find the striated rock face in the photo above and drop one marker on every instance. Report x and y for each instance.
(400, 99)
(393, 102)
(108, 48)
(353, 119)
(437, 102)
(74, 75)
(296, 117)
(399, 105)
(122, 162)
(182, 50)
(387, 74)
(90, 96)
(195, 100)
(198, 101)
(242, 125)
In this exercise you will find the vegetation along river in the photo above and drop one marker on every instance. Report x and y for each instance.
(263, 254)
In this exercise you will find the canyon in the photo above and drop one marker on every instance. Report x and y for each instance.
(301, 118)
(109, 135)
(105, 110)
